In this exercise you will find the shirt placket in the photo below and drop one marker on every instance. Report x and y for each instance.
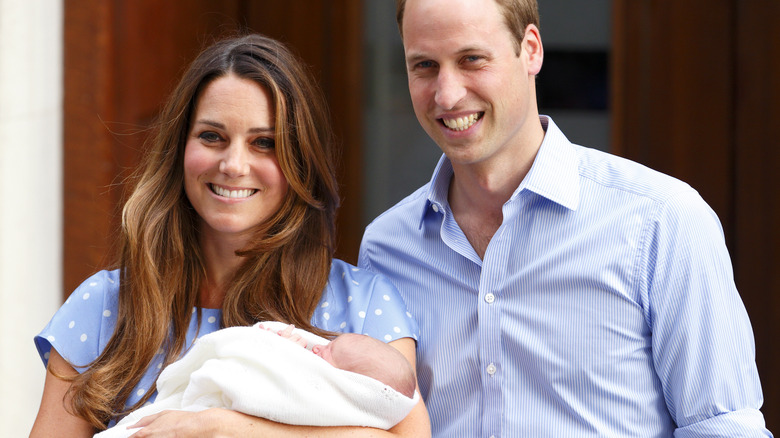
(489, 321)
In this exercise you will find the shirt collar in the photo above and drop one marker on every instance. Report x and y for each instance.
(438, 188)
(553, 175)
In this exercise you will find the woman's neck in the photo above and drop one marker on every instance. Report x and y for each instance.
(221, 263)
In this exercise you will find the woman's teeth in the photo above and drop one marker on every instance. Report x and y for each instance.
(461, 123)
(244, 193)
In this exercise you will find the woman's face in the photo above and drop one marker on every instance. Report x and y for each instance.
(231, 175)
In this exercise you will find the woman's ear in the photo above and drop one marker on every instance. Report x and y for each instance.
(532, 46)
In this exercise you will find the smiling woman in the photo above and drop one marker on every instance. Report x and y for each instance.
(231, 175)
(230, 222)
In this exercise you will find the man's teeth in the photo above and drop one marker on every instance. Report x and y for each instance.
(461, 123)
(244, 193)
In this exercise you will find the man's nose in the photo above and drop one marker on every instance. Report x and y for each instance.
(449, 89)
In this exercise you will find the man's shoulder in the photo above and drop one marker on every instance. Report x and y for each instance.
(409, 209)
(614, 172)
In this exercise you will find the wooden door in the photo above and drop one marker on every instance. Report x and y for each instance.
(696, 86)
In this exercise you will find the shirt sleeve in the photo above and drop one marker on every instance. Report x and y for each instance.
(80, 329)
(358, 301)
(703, 346)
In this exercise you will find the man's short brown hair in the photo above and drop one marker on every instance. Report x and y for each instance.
(518, 14)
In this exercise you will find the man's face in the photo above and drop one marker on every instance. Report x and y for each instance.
(471, 91)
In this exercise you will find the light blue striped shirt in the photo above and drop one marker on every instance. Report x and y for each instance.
(605, 306)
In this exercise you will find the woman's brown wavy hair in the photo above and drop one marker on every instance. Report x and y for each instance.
(285, 267)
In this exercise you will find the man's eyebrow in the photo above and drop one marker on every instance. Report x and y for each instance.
(416, 57)
(471, 49)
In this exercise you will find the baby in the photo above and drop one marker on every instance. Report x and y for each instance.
(363, 355)
(353, 380)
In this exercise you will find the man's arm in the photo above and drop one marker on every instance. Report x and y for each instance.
(703, 348)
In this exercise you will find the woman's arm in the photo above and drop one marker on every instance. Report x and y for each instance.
(53, 419)
(223, 422)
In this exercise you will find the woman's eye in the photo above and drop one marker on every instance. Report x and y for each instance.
(265, 142)
(211, 137)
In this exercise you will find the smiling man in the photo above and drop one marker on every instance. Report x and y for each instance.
(560, 291)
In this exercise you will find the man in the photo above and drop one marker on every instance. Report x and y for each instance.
(560, 291)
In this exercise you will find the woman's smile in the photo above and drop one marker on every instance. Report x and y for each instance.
(231, 193)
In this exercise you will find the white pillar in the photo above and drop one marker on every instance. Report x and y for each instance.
(31, 39)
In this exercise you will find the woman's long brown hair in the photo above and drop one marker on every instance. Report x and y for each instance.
(285, 267)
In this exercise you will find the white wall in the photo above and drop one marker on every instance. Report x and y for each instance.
(30, 198)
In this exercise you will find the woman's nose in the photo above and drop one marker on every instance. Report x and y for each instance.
(234, 162)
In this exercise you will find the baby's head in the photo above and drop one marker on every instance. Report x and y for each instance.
(370, 357)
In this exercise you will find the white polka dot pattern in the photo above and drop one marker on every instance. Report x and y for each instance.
(354, 301)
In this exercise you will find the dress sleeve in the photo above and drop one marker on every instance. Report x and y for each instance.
(387, 318)
(358, 301)
(80, 329)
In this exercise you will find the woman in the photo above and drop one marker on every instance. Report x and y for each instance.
(231, 222)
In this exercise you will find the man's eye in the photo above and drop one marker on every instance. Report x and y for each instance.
(424, 64)
(473, 60)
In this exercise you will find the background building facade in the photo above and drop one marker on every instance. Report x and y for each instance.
(689, 88)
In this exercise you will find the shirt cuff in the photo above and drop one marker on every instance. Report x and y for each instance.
(741, 423)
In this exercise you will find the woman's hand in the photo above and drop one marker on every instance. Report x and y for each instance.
(184, 424)
(213, 423)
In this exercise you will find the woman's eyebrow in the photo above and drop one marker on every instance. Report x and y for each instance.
(221, 126)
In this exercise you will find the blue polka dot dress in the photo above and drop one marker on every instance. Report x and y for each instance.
(354, 301)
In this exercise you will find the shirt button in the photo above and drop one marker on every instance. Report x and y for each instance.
(435, 208)
(491, 369)
(490, 298)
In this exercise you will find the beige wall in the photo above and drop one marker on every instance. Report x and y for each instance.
(30, 198)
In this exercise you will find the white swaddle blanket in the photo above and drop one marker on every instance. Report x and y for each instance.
(257, 372)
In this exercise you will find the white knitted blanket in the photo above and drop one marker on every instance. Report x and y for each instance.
(257, 372)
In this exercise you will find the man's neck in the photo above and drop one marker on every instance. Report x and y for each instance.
(477, 201)
(478, 192)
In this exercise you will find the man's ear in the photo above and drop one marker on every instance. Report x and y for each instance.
(532, 46)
